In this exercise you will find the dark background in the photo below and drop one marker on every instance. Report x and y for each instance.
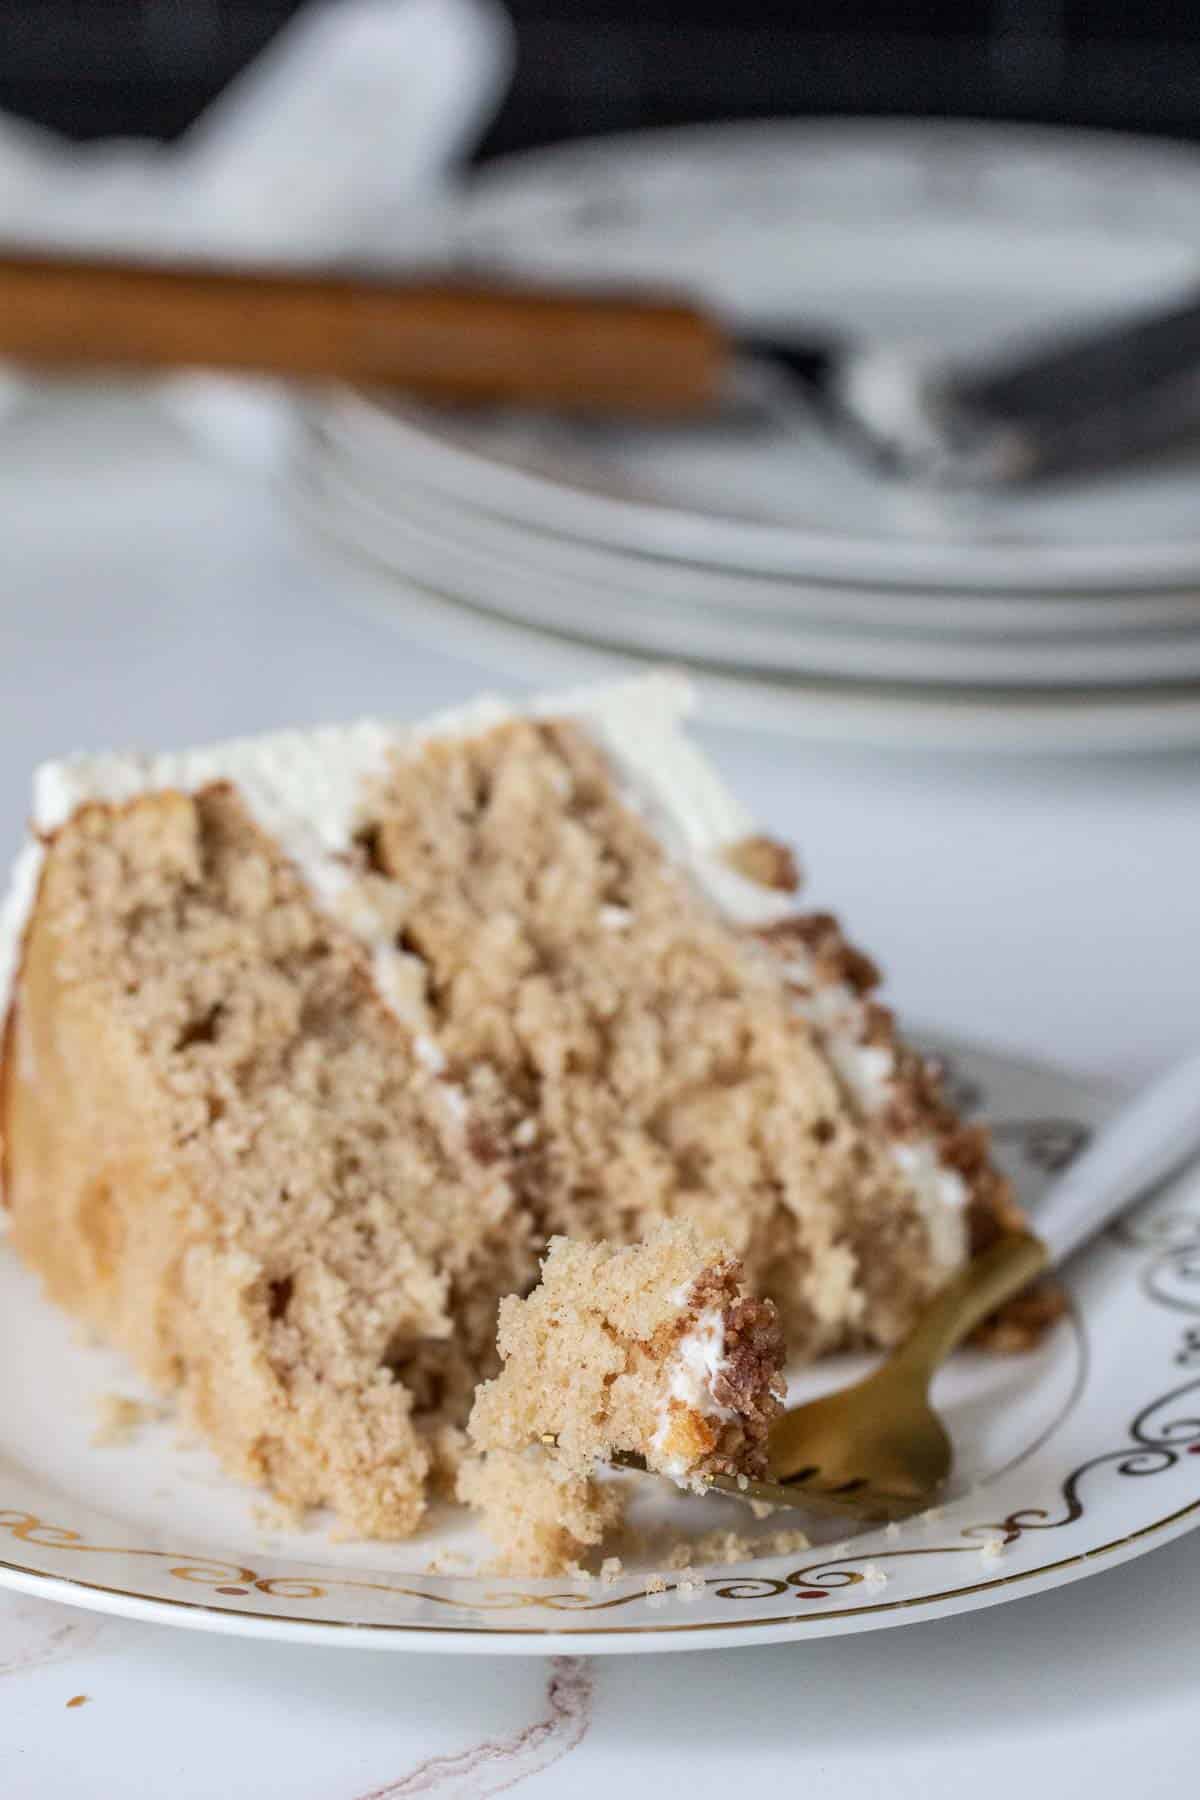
(94, 67)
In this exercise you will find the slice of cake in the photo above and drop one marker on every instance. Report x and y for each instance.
(654, 1349)
(314, 1041)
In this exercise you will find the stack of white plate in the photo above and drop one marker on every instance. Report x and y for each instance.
(805, 591)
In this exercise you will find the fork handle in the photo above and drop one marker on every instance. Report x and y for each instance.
(1147, 1140)
(460, 341)
(988, 1280)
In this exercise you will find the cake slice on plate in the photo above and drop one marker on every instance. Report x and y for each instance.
(314, 1041)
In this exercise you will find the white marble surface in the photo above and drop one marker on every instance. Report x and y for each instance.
(150, 593)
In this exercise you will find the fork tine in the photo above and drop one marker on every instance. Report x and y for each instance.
(864, 1504)
(856, 1500)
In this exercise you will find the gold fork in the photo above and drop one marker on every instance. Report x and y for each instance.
(877, 1449)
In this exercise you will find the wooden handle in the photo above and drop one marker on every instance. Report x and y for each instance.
(445, 341)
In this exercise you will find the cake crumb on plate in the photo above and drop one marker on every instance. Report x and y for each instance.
(119, 1419)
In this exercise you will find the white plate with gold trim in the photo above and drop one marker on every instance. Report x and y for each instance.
(661, 609)
(972, 721)
(1069, 1461)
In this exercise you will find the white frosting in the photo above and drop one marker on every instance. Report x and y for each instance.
(942, 1195)
(14, 915)
(454, 1100)
(840, 1016)
(306, 788)
(429, 1053)
(869, 1071)
(698, 1359)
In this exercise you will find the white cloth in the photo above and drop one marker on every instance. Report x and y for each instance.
(341, 142)
(354, 115)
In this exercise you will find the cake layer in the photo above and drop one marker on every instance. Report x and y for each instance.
(224, 1153)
